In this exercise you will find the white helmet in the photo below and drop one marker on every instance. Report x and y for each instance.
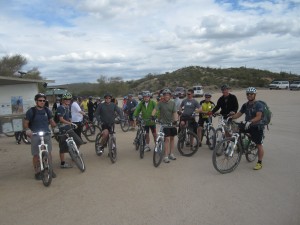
(251, 90)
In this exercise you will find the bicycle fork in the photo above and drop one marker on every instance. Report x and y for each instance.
(230, 148)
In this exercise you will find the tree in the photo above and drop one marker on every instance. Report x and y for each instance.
(10, 65)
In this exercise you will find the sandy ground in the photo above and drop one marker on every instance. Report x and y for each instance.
(185, 191)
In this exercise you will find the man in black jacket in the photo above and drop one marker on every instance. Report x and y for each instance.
(227, 102)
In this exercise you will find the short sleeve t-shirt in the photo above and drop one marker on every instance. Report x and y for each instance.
(64, 112)
(166, 110)
(189, 106)
(250, 111)
(40, 122)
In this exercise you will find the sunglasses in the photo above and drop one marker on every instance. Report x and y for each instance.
(249, 94)
(107, 98)
(189, 94)
(41, 100)
(207, 96)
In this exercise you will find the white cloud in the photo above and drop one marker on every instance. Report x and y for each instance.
(76, 41)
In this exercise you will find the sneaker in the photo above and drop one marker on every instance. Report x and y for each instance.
(147, 149)
(38, 176)
(53, 174)
(258, 166)
(200, 144)
(172, 156)
(100, 150)
(66, 166)
(166, 159)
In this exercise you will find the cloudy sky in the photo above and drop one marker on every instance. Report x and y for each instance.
(78, 40)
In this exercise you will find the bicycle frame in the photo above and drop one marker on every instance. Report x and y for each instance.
(42, 147)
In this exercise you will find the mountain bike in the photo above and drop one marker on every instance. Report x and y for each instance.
(124, 123)
(159, 152)
(222, 129)
(21, 136)
(228, 153)
(111, 143)
(74, 152)
(89, 129)
(140, 138)
(9, 134)
(209, 132)
(188, 142)
(46, 168)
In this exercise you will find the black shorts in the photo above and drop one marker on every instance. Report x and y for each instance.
(63, 146)
(257, 134)
(201, 121)
(191, 123)
(130, 115)
(108, 127)
(152, 127)
(170, 132)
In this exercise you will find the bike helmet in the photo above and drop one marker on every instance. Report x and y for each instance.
(67, 96)
(39, 95)
(166, 91)
(107, 95)
(225, 87)
(207, 95)
(125, 97)
(146, 94)
(129, 95)
(251, 90)
(90, 97)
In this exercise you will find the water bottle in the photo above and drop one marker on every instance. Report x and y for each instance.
(246, 142)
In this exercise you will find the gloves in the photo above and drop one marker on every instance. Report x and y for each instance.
(74, 126)
(175, 123)
(28, 132)
(55, 130)
(247, 124)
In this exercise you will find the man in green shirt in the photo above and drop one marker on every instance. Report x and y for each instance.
(168, 115)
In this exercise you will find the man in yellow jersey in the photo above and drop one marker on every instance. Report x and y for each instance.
(206, 106)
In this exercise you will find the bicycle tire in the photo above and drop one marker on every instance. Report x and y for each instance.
(251, 152)
(211, 139)
(112, 150)
(76, 157)
(158, 153)
(137, 140)
(222, 162)
(182, 146)
(9, 134)
(98, 143)
(219, 136)
(124, 125)
(48, 170)
(91, 132)
(142, 145)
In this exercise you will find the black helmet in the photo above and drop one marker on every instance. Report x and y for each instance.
(207, 94)
(39, 95)
(107, 95)
(224, 87)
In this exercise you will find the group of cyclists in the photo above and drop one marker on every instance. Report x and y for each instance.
(166, 109)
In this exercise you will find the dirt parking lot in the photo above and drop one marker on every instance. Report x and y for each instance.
(185, 191)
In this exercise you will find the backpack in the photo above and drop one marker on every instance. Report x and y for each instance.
(34, 112)
(267, 114)
(56, 117)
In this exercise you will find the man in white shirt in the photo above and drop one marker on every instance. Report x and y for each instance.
(77, 116)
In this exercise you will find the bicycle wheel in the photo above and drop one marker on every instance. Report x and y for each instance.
(91, 131)
(252, 152)
(98, 144)
(76, 156)
(137, 140)
(9, 134)
(124, 125)
(222, 160)
(47, 171)
(25, 138)
(188, 143)
(158, 153)
(112, 150)
(219, 136)
(142, 145)
(211, 138)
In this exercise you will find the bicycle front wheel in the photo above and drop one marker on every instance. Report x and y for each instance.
(91, 131)
(211, 138)
(76, 157)
(223, 159)
(142, 145)
(158, 153)
(252, 152)
(47, 171)
(98, 144)
(112, 150)
(124, 125)
(219, 136)
(188, 143)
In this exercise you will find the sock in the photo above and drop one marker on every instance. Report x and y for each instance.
(259, 161)
(62, 163)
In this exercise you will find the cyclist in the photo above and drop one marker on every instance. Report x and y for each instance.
(65, 124)
(56, 104)
(105, 113)
(77, 116)
(177, 101)
(37, 120)
(168, 114)
(190, 106)
(206, 107)
(253, 122)
(90, 106)
(130, 107)
(227, 102)
(145, 107)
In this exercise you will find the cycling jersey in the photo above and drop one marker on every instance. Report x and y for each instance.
(206, 107)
